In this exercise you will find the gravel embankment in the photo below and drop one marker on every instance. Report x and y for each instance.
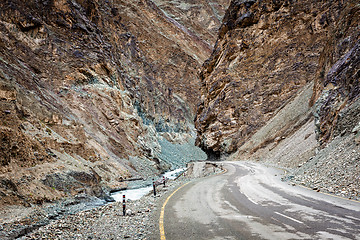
(105, 222)
(108, 221)
(334, 169)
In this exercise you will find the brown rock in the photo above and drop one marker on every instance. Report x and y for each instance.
(357, 139)
(90, 84)
(266, 52)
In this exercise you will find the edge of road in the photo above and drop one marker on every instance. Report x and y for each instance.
(328, 194)
(162, 212)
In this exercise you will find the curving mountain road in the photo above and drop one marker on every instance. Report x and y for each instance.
(250, 201)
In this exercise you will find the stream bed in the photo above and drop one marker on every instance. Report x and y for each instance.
(137, 193)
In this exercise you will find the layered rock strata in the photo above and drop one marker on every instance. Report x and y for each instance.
(266, 52)
(93, 93)
(337, 87)
(282, 87)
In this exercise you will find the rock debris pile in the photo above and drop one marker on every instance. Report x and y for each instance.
(335, 169)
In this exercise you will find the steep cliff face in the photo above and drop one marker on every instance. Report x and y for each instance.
(95, 92)
(336, 165)
(282, 87)
(266, 52)
(337, 89)
(202, 17)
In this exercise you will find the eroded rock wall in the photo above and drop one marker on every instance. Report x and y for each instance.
(91, 92)
(266, 52)
(282, 87)
(337, 87)
(336, 165)
(202, 17)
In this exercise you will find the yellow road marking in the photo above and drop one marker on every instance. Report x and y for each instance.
(161, 220)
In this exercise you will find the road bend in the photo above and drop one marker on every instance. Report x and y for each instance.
(250, 201)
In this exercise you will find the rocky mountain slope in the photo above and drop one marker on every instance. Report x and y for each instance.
(95, 92)
(282, 86)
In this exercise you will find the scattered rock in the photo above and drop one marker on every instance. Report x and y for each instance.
(82, 219)
(129, 212)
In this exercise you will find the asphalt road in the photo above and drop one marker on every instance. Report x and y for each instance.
(251, 202)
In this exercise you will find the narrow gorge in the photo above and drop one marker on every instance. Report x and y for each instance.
(97, 93)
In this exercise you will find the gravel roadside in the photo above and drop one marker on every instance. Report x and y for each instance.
(107, 221)
(334, 169)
